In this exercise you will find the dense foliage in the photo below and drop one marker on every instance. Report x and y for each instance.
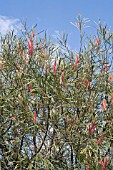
(56, 105)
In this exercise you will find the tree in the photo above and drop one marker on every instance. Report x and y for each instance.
(56, 104)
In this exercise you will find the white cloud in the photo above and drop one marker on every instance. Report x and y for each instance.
(8, 23)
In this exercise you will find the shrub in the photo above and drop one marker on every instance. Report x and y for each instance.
(56, 104)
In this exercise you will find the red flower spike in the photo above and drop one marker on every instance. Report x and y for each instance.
(104, 105)
(104, 163)
(91, 127)
(13, 118)
(55, 67)
(61, 82)
(62, 75)
(78, 85)
(32, 35)
(30, 47)
(89, 71)
(39, 107)
(47, 70)
(79, 25)
(19, 68)
(26, 60)
(101, 28)
(66, 120)
(97, 42)
(105, 68)
(74, 121)
(61, 78)
(30, 88)
(109, 122)
(87, 167)
(76, 62)
(41, 48)
(87, 83)
(110, 78)
(1, 65)
(99, 140)
(111, 99)
(35, 116)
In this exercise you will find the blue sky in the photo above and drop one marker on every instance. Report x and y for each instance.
(55, 15)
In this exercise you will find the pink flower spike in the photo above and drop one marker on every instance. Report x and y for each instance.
(42, 49)
(32, 34)
(91, 127)
(61, 82)
(30, 88)
(87, 83)
(30, 47)
(105, 68)
(79, 25)
(61, 78)
(110, 78)
(76, 62)
(99, 140)
(66, 120)
(74, 121)
(19, 68)
(97, 42)
(13, 118)
(26, 60)
(104, 163)
(62, 75)
(55, 67)
(111, 99)
(104, 105)
(87, 167)
(35, 116)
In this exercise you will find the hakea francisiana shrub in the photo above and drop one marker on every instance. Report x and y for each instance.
(56, 105)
